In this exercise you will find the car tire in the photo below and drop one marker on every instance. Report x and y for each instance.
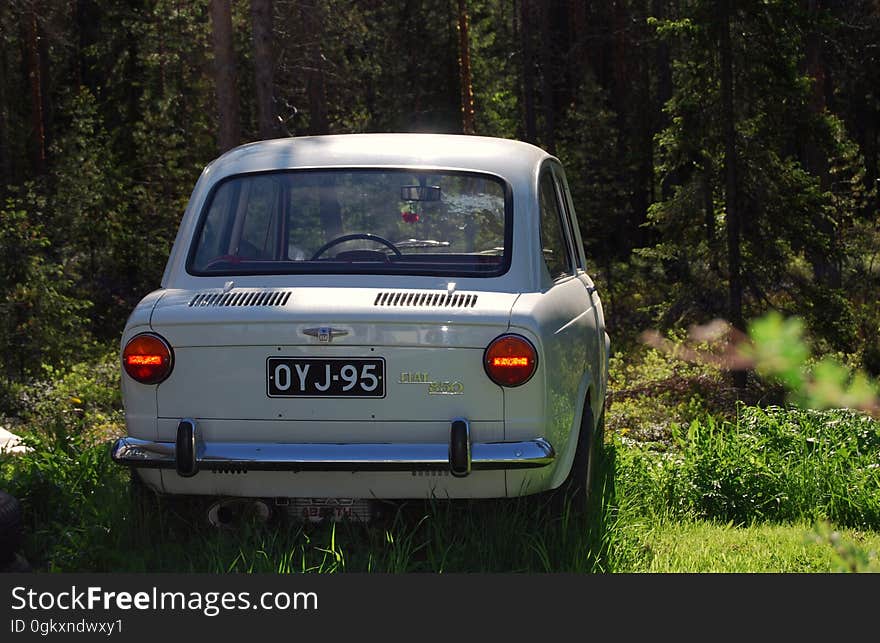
(597, 449)
(10, 527)
(576, 489)
(18, 565)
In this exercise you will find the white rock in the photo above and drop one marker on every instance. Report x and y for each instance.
(11, 443)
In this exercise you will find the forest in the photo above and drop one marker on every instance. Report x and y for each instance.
(723, 155)
(724, 159)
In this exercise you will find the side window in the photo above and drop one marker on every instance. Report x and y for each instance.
(570, 222)
(216, 229)
(553, 243)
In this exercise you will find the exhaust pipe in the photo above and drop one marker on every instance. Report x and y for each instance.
(229, 513)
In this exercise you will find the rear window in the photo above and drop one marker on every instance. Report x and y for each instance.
(355, 221)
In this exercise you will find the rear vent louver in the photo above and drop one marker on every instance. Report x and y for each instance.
(426, 299)
(241, 298)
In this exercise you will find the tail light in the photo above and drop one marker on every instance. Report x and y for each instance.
(147, 358)
(510, 360)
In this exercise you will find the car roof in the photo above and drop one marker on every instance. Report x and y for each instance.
(511, 159)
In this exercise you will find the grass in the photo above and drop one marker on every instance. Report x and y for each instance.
(99, 531)
(764, 490)
(768, 464)
(759, 548)
(87, 524)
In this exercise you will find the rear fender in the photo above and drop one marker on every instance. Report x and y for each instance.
(586, 392)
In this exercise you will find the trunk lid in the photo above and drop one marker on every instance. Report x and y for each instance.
(430, 343)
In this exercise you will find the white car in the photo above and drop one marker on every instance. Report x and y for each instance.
(369, 316)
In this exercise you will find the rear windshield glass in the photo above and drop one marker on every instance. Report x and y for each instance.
(358, 221)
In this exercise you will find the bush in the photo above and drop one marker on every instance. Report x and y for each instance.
(770, 464)
(649, 390)
(84, 399)
(69, 489)
(39, 320)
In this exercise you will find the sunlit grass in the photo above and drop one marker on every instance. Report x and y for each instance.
(755, 495)
(714, 547)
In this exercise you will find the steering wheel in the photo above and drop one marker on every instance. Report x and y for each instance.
(357, 235)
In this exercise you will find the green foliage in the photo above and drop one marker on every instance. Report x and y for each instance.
(40, 319)
(68, 491)
(587, 142)
(799, 177)
(85, 223)
(650, 390)
(779, 350)
(848, 556)
(83, 399)
(69, 488)
(494, 70)
(771, 464)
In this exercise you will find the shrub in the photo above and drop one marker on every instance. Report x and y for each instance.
(649, 389)
(69, 489)
(771, 464)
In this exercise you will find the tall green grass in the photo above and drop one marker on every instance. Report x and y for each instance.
(80, 516)
(770, 464)
(696, 500)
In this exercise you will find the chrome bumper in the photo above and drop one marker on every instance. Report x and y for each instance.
(191, 454)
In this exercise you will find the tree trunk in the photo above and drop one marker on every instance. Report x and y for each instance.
(329, 208)
(621, 45)
(47, 108)
(734, 260)
(577, 51)
(548, 88)
(814, 159)
(528, 72)
(87, 23)
(5, 147)
(319, 123)
(229, 130)
(825, 270)
(34, 67)
(464, 66)
(264, 67)
(706, 185)
(663, 69)
(663, 73)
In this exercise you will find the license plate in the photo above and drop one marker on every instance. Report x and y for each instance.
(325, 377)
(330, 509)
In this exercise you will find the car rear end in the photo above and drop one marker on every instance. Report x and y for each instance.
(328, 364)
(373, 411)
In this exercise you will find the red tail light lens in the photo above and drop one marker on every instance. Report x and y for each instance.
(510, 360)
(147, 358)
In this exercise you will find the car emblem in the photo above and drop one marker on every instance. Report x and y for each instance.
(325, 334)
